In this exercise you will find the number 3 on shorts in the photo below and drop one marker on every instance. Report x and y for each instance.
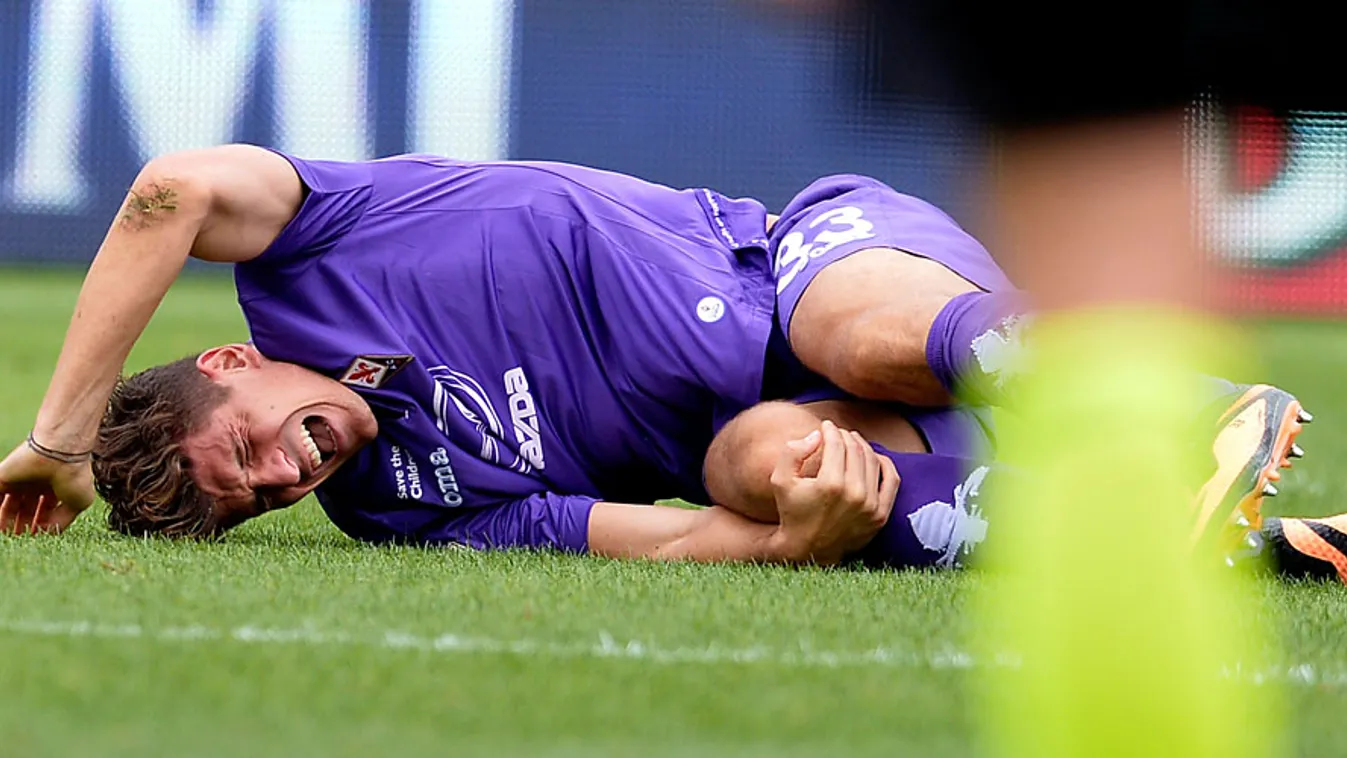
(840, 226)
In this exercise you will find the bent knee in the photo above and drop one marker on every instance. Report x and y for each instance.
(739, 463)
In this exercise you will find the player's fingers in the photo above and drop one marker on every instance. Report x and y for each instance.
(792, 459)
(34, 517)
(888, 485)
(8, 503)
(871, 480)
(11, 513)
(52, 517)
(857, 452)
(27, 515)
(797, 451)
(832, 470)
(18, 513)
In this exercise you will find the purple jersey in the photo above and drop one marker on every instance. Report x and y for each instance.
(531, 336)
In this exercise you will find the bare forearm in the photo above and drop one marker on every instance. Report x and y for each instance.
(674, 534)
(720, 534)
(140, 257)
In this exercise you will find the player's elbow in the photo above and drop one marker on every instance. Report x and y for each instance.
(170, 189)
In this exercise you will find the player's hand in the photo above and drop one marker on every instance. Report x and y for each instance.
(837, 509)
(38, 494)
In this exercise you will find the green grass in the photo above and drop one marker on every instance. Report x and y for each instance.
(276, 641)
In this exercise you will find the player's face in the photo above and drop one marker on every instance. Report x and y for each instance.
(282, 430)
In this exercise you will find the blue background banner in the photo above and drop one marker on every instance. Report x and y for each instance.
(694, 93)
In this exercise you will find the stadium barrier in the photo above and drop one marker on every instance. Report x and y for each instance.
(702, 92)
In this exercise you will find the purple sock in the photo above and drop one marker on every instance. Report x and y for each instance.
(973, 345)
(937, 518)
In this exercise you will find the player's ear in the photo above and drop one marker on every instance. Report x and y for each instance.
(227, 359)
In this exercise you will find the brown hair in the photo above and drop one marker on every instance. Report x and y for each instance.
(138, 464)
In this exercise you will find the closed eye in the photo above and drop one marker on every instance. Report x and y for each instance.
(243, 460)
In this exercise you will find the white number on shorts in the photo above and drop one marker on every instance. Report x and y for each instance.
(793, 252)
(856, 228)
(845, 224)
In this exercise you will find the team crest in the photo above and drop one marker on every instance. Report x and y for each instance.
(371, 371)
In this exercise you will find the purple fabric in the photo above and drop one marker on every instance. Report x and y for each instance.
(964, 431)
(572, 335)
(879, 218)
(844, 214)
(937, 518)
(961, 430)
(974, 342)
(544, 520)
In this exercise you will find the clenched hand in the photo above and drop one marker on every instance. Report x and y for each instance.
(837, 510)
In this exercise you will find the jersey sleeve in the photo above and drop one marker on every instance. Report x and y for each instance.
(560, 522)
(336, 195)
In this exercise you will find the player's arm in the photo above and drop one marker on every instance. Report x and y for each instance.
(823, 517)
(222, 204)
(618, 530)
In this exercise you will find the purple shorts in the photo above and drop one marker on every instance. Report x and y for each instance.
(835, 217)
(844, 214)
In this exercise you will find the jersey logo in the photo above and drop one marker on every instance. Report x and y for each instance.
(710, 309)
(458, 392)
(371, 371)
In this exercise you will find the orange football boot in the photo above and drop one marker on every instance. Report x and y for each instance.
(1255, 438)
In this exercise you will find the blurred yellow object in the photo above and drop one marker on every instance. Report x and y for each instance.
(1119, 639)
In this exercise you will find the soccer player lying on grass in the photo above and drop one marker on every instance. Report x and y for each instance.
(501, 354)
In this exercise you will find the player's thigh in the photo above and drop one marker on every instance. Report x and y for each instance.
(849, 247)
(878, 296)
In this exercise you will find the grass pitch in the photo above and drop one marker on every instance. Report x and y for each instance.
(289, 639)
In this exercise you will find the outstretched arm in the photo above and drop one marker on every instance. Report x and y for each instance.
(222, 204)
(823, 516)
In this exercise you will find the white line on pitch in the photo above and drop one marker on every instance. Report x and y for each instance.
(604, 647)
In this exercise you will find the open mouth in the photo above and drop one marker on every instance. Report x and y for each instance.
(320, 444)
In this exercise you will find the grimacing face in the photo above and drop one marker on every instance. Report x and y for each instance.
(281, 431)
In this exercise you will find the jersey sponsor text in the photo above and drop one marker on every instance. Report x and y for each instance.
(406, 474)
(525, 417)
(445, 479)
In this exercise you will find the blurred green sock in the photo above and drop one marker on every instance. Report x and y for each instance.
(1121, 636)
